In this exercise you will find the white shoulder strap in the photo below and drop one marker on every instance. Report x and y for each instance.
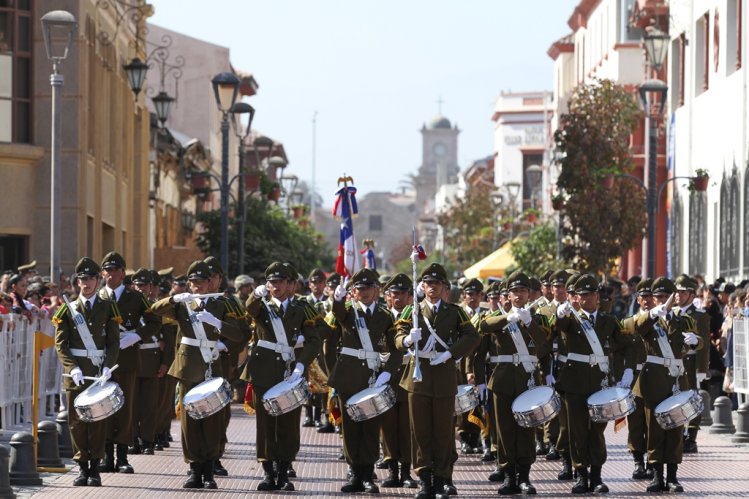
(280, 332)
(595, 345)
(666, 350)
(199, 330)
(83, 332)
(363, 332)
(520, 346)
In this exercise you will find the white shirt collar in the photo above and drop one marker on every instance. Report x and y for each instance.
(117, 291)
(91, 300)
(364, 307)
(434, 305)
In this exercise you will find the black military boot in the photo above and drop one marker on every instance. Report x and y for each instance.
(218, 468)
(639, 473)
(208, 471)
(690, 443)
(406, 480)
(426, 489)
(596, 482)
(392, 480)
(148, 448)
(268, 482)
(355, 482)
(649, 471)
(367, 478)
(157, 443)
(195, 480)
(438, 483)
(524, 480)
(553, 454)
(672, 483)
(327, 426)
(122, 465)
(316, 414)
(581, 486)
(566, 472)
(657, 485)
(510, 484)
(291, 472)
(94, 478)
(488, 457)
(381, 464)
(541, 448)
(108, 459)
(308, 422)
(82, 479)
(450, 488)
(498, 475)
(282, 482)
(135, 448)
(465, 445)
(166, 437)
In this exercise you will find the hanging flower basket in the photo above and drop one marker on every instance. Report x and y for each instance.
(606, 182)
(252, 180)
(275, 194)
(297, 211)
(506, 226)
(199, 182)
(699, 182)
(557, 202)
(532, 217)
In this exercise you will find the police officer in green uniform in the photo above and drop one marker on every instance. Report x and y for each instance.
(201, 438)
(521, 338)
(88, 347)
(271, 361)
(168, 384)
(586, 372)
(138, 325)
(448, 335)
(315, 407)
(668, 336)
(696, 364)
(367, 331)
(330, 344)
(469, 433)
(396, 433)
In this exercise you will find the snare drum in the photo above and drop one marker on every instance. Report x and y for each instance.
(679, 409)
(286, 396)
(465, 399)
(98, 402)
(370, 402)
(536, 406)
(611, 404)
(207, 398)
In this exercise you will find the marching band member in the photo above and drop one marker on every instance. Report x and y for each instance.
(87, 339)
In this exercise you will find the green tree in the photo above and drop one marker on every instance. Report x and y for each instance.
(537, 253)
(594, 139)
(269, 236)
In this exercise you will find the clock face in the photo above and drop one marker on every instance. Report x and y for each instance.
(439, 149)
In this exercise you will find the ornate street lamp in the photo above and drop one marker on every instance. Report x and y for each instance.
(136, 74)
(242, 131)
(656, 47)
(162, 103)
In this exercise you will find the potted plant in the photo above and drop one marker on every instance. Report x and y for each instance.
(606, 177)
(557, 202)
(199, 182)
(531, 215)
(700, 180)
(275, 192)
(506, 224)
(252, 179)
(298, 210)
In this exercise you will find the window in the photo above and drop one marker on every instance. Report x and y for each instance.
(15, 72)
(746, 221)
(733, 36)
(675, 238)
(528, 189)
(678, 49)
(702, 54)
(697, 233)
(729, 226)
(375, 223)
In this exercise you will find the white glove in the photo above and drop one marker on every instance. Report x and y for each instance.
(209, 318)
(340, 292)
(525, 315)
(690, 338)
(182, 297)
(297, 372)
(77, 376)
(658, 311)
(627, 378)
(441, 358)
(299, 341)
(382, 379)
(550, 380)
(513, 317)
(128, 339)
(261, 291)
(700, 378)
(564, 309)
(106, 374)
(420, 291)
(482, 391)
(415, 256)
(221, 347)
(413, 337)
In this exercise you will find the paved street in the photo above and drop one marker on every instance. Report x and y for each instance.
(719, 470)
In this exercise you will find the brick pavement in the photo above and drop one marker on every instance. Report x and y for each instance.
(721, 469)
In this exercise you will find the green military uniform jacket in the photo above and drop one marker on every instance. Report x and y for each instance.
(151, 358)
(655, 384)
(509, 378)
(702, 329)
(230, 358)
(548, 363)
(629, 326)
(350, 374)
(188, 364)
(265, 367)
(454, 327)
(581, 378)
(103, 324)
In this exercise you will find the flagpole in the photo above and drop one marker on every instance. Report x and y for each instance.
(345, 181)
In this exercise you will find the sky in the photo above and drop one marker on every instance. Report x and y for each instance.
(374, 71)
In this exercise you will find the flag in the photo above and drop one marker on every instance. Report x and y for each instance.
(619, 424)
(369, 258)
(248, 407)
(345, 209)
(421, 252)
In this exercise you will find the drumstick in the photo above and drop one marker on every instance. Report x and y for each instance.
(93, 378)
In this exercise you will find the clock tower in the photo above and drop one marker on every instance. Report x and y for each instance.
(439, 164)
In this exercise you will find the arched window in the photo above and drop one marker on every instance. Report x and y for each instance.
(675, 239)
(697, 233)
(729, 226)
(735, 221)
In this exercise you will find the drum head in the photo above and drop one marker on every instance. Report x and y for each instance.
(365, 394)
(608, 395)
(674, 401)
(281, 388)
(95, 393)
(198, 392)
(464, 389)
(530, 399)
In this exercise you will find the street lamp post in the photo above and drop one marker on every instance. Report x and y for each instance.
(533, 175)
(242, 131)
(55, 23)
(225, 89)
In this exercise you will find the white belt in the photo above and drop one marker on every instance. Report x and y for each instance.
(197, 343)
(406, 359)
(638, 367)
(561, 358)
(591, 359)
(145, 346)
(123, 333)
(515, 358)
(652, 359)
(80, 352)
(360, 354)
(276, 347)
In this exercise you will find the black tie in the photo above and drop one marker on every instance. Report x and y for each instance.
(113, 296)
(369, 313)
(280, 310)
(87, 306)
(435, 310)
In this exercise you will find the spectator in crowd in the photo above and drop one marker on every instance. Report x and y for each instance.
(6, 303)
(18, 286)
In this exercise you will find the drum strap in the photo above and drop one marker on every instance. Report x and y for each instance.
(280, 332)
(372, 357)
(675, 369)
(595, 345)
(93, 353)
(433, 337)
(520, 346)
(199, 330)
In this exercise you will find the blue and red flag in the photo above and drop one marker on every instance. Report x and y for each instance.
(370, 261)
(345, 210)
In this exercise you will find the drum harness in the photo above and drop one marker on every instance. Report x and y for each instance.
(675, 366)
(367, 352)
(281, 344)
(521, 357)
(207, 348)
(597, 357)
(91, 352)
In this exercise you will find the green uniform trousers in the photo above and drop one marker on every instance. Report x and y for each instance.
(551, 431)
(638, 430)
(147, 419)
(587, 444)
(396, 431)
(516, 445)
(277, 436)
(167, 388)
(433, 437)
(563, 436)
(690, 367)
(664, 446)
(201, 438)
(361, 442)
(120, 425)
(88, 438)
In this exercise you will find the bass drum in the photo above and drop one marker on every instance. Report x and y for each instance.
(286, 396)
(678, 410)
(611, 404)
(370, 402)
(98, 401)
(536, 406)
(207, 398)
(466, 399)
